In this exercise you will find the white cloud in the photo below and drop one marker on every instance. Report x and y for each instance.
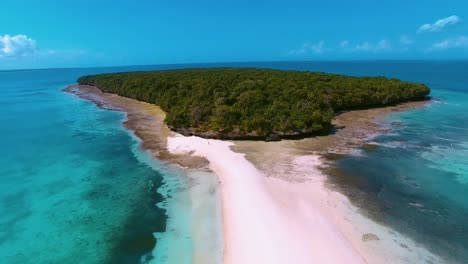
(17, 46)
(458, 42)
(439, 24)
(365, 46)
(67, 53)
(344, 44)
(316, 48)
(405, 40)
(384, 45)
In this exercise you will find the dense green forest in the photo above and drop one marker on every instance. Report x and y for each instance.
(254, 103)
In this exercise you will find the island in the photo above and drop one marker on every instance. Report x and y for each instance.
(250, 103)
(264, 187)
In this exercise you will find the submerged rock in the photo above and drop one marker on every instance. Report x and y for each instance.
(370, 147)
(370, 237)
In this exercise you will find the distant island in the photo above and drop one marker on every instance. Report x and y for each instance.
(263, 104)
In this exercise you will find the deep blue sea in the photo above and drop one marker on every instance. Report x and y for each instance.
(75, 187)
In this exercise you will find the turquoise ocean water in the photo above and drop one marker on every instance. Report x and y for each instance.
(75, 186)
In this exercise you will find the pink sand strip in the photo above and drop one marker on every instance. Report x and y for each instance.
(267, 220)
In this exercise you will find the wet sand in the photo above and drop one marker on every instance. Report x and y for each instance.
(352, 129)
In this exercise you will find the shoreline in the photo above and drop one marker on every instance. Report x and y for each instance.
(284, 180)
(145, 120)
(192, 203)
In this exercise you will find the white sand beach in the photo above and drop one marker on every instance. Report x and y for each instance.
(267, 220)
(270, 220)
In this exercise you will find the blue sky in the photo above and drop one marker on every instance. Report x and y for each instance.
(42, 34)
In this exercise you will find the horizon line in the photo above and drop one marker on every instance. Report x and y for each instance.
(231, 62)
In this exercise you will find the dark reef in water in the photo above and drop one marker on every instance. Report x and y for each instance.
(386, 192)
(137, 237)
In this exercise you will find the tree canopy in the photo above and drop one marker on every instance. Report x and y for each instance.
(254, 103)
